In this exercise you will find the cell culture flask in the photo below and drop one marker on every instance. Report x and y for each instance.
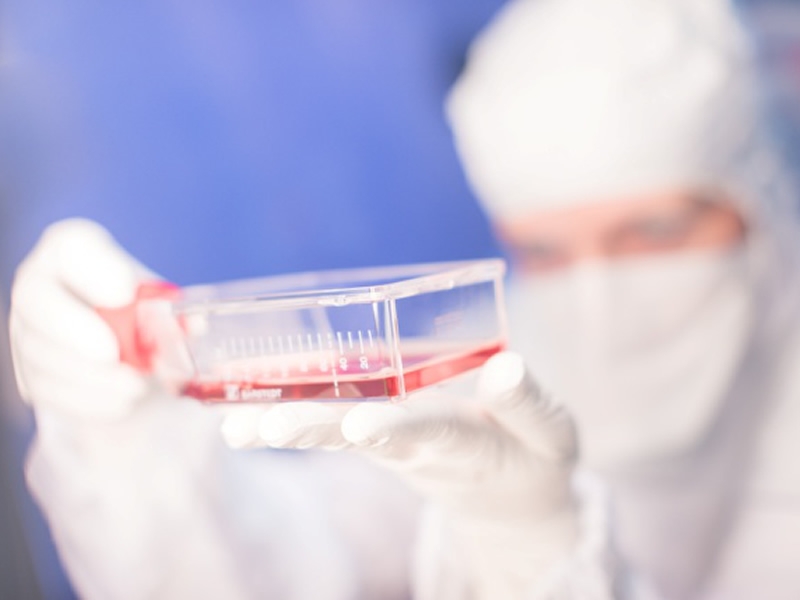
(377, 333)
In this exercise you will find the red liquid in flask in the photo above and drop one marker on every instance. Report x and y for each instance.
(423, 370)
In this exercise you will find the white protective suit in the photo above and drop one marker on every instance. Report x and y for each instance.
(681, 369)
(144, 500)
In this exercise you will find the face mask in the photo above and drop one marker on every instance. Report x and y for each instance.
(642, 350)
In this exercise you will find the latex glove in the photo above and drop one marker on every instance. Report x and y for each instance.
(66, 359)
(498, 465)
(115, 463)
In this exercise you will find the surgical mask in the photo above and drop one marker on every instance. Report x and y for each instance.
(642, 350)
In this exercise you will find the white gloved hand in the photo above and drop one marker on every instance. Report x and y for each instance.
(66, 359)
(499, 465)
(116, 462)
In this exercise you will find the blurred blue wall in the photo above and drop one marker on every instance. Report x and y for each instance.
(230, 139)
(775, 28)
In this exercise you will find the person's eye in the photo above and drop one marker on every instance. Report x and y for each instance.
(654, 234)
(661, 229)
(534, 257)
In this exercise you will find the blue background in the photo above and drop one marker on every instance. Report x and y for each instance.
(219, 140)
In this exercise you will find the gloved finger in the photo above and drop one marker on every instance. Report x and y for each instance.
(239, 427)
(111, 392)
(304, 425)
(84, 257)
(37, 353)
(514, 400)
(42, 306)
(440, 428)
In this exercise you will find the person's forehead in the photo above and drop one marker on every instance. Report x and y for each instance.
(598, 214)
